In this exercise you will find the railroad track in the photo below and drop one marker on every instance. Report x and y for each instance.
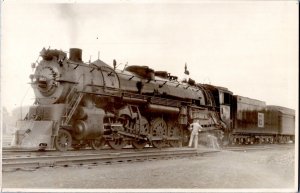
(14, 159)
(258, 147)
(34, 160)
(17, 152)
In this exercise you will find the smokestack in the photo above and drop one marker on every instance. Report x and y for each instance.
(75, 54)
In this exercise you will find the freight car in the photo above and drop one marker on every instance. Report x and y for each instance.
(92, 104)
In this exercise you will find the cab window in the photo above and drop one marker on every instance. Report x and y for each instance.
(225, 98)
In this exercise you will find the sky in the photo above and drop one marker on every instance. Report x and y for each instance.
(250, 47)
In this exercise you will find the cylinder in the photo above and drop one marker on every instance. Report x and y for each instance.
(81, 113)
(92, 126)
(80, 130)
(75, 54)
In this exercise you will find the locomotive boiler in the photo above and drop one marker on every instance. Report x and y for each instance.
(82, 104)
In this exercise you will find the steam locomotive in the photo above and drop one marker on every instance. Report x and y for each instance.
(92, 104)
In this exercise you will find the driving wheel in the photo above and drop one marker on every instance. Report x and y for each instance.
(174, 131)
(139, 143)
(159, 129)
(117, 143)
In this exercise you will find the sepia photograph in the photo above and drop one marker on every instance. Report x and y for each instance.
(149, 96)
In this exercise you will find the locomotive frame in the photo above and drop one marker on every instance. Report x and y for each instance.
(90, 104)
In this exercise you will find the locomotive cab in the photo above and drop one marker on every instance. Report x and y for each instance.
(224, 101)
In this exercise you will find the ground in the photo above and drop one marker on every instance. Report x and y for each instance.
(251, 169)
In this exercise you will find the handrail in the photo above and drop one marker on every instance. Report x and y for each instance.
(74, 88)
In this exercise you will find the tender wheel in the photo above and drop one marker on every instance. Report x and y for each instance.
(139, 144)
(98, 143)
(117, 143)
(63, 140)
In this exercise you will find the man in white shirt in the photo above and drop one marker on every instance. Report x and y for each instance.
(195, 127)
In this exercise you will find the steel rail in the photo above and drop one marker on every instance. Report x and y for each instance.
(36, 160)
(11, 164)
(26, 152)
(258, 147)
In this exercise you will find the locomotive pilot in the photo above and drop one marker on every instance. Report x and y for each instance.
(195, 127)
